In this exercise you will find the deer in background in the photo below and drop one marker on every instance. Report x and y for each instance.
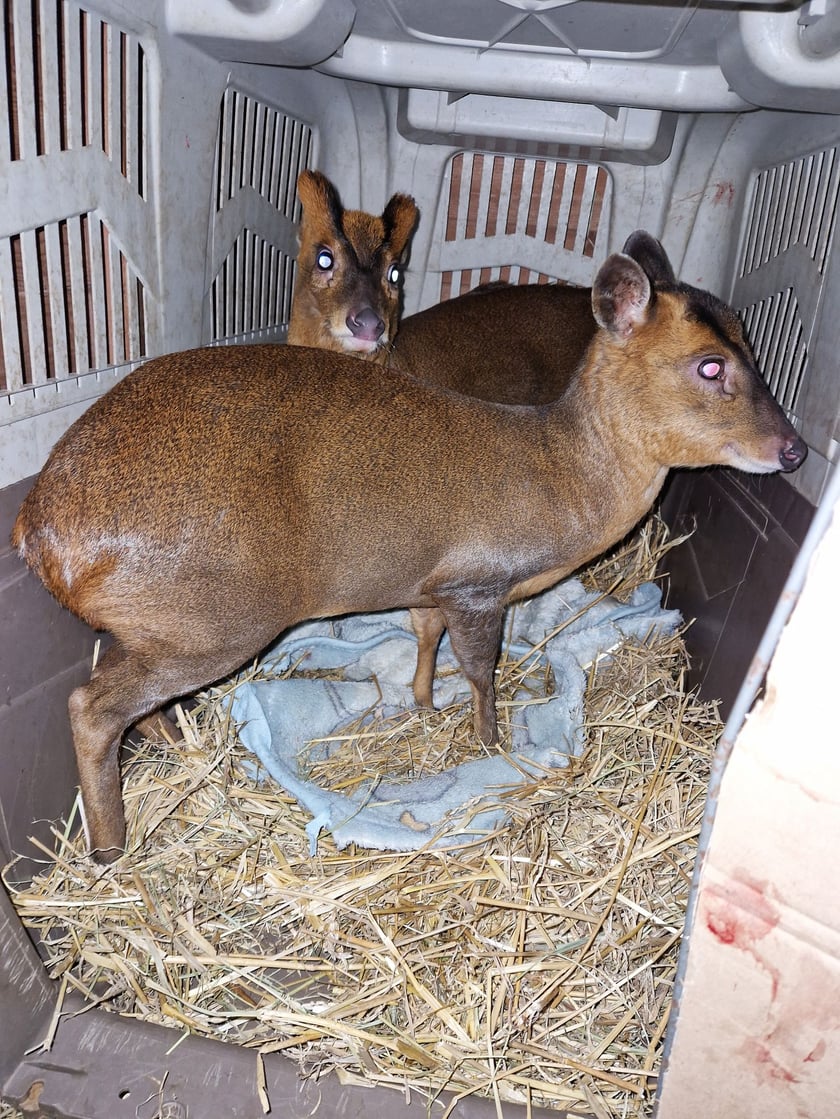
(348, 272)
(347, 299)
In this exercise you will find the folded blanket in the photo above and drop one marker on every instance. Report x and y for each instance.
(377, 655)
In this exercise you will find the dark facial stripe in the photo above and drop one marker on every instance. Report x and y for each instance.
(336, 210)
(705, 308)
(367, 255)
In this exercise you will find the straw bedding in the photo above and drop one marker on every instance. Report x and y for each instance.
(533, 966)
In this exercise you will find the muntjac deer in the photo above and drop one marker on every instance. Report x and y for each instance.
(532, 336)
(348, 272)
(216, 497)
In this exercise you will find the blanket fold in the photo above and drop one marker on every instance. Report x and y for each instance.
(376, 655)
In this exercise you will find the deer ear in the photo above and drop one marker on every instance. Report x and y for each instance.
(319, 198)
(648, 252)
(621, 295)
(400, 219)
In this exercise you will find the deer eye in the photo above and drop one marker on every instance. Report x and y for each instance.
(324, 260)
(711, 368)
(394, 273)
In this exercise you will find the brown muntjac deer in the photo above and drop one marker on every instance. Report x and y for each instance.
(532, 336)
(348, 271)
(216, 497)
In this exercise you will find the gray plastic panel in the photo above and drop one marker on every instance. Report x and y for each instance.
(44, 654)
(729, 575)
(102, 1066)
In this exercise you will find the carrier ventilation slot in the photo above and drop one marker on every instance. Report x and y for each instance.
(261, 148)
(499, 197)
(253, 290)
(73, 81)
(793, 204)
(774, 328)
(70, 302)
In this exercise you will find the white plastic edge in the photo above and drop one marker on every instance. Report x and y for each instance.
(771, 42)
(287, 32)
(459, 69)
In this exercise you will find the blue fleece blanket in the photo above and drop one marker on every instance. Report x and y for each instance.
(377, 654)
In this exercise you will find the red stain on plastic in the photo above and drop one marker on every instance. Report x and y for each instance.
(724, 194)
(804, 999)
(740, 914)
(766, 1063)
(817, 1053)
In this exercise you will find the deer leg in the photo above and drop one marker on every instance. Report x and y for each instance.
(124, 686)
(100, 712)
(428, 624)
(474, 622)
(158, 725)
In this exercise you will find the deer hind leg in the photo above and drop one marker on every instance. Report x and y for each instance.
(158, 725)
(124, 686)
(474, 621)
(428, 624)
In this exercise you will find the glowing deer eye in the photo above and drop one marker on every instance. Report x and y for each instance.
(711, 368)
(324, 260)
(394, 273)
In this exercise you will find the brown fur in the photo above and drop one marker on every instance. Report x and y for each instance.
(331, 305)
(216, 497)
(532, 338)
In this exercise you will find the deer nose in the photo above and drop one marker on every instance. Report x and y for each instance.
(365, 324)
(792, 455)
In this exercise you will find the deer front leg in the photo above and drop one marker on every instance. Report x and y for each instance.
(428, 624)
(474, 620)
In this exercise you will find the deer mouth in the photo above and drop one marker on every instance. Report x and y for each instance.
(355, 345)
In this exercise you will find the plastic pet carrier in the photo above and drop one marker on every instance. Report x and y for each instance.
(149, 159)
